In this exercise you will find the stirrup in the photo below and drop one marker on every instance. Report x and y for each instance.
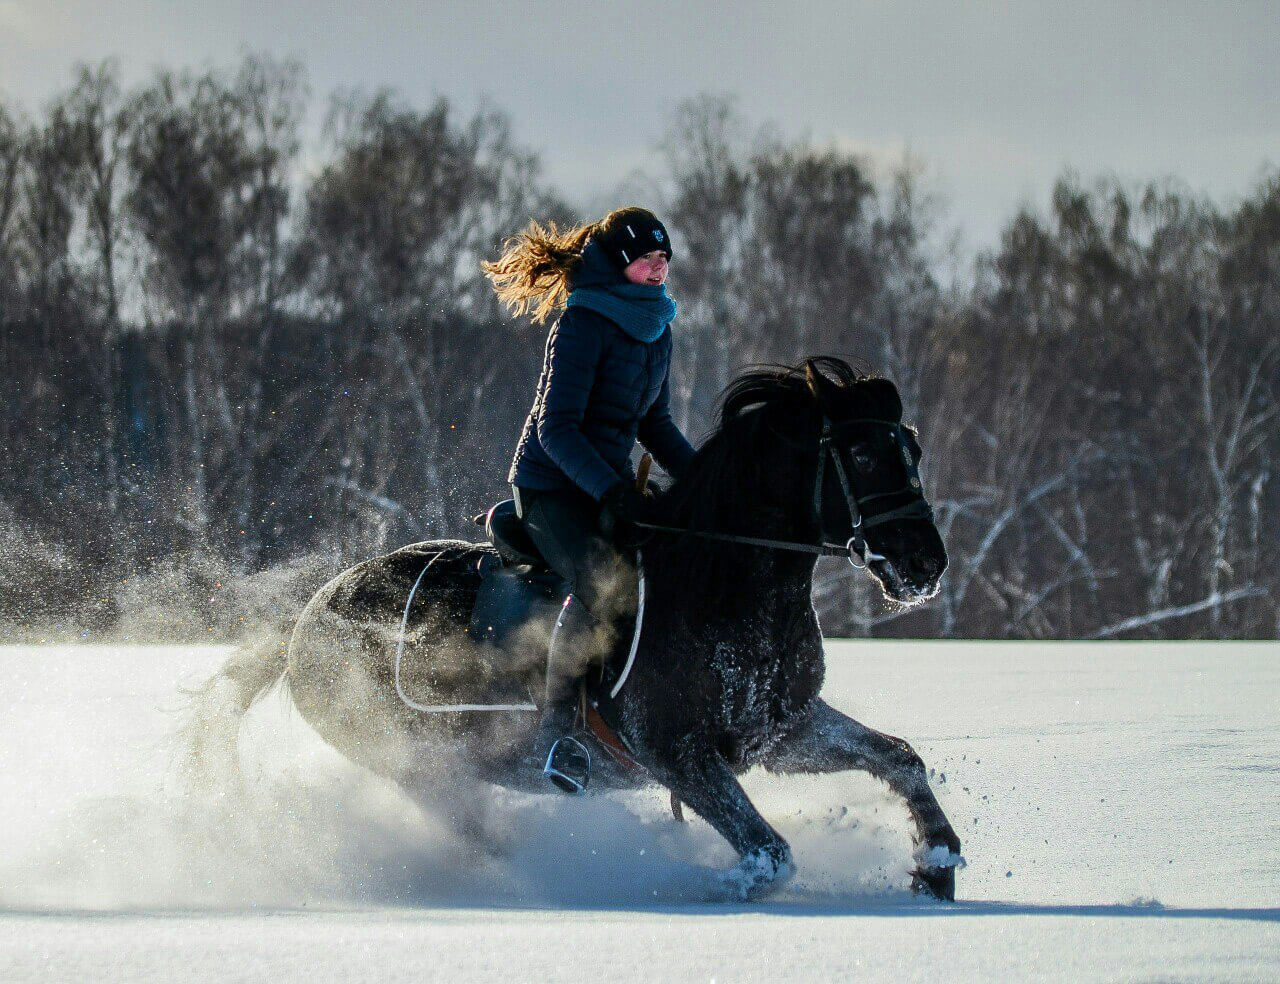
(568, 765)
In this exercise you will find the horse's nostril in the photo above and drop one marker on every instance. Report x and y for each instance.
(924, 565)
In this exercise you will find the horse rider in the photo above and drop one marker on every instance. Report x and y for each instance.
(604, 383)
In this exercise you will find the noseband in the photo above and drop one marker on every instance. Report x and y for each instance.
(855, 548)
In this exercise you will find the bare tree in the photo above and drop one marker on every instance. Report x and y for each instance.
(10, 164)
(707, 148)
(395, 228)
(192, 177)
(99, 122)
(50, 193)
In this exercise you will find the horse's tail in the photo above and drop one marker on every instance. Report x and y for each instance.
(209, 736)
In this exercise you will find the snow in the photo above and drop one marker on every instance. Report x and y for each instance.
(1118, 804)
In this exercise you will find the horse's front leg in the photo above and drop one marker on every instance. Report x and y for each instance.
(705, 783)
(828, 741)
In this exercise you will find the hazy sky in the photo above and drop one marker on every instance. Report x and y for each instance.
(996, 98)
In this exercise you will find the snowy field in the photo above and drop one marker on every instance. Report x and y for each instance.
(1119, 805)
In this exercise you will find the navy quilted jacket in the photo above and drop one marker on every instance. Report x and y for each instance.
(599, 390)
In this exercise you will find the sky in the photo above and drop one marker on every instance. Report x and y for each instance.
(995, 99)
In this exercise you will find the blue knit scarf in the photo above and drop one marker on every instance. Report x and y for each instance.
(641, 310)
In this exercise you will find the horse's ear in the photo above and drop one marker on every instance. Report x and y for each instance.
(819, 385)
(885, 398)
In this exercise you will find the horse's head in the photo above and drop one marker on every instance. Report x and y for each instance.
(868, 489)
(805, 453)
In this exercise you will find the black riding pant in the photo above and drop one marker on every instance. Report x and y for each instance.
(564, 524)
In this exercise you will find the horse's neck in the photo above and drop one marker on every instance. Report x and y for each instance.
(763, 489)
(766, 492)
(728, 579)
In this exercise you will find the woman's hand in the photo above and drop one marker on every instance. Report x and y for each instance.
(621, 508)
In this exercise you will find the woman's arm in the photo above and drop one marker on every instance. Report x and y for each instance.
(660, 435)
(573, 351)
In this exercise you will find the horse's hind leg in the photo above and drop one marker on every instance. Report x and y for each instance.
(707, 785)
(829, 741)
(462, 803)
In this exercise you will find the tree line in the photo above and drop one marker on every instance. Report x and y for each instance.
(221, 358)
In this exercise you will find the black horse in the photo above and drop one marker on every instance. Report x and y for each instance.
(726, 670)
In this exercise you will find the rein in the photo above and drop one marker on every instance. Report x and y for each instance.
(857, 551)
(820, 549)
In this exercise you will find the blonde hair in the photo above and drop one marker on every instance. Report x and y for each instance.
(532, 274)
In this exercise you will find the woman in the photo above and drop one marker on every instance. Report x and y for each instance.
(603, 385)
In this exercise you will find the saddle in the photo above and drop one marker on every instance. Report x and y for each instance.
(516, 586)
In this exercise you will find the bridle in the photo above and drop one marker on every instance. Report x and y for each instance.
(855, 548)
(917, 508)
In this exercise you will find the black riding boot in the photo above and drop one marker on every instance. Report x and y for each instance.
(563, 759)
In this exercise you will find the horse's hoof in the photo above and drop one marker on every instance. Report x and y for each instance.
(934, 883)
(935, 874)
(756, 875)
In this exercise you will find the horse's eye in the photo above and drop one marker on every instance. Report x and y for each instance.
(863, 462)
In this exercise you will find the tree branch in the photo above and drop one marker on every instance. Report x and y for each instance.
(1215, 599)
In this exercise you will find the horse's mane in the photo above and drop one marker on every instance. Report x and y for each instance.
(748, 423)
(773, 383)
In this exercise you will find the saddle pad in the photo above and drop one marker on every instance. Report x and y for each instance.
(509, 597)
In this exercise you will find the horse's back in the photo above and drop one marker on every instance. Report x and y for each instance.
(412, 606)
(441, 575)
(421, 589)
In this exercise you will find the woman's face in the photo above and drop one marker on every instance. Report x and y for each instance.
(650, 269)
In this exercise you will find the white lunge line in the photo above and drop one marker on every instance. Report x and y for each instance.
(635, 636)
(439, 708)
